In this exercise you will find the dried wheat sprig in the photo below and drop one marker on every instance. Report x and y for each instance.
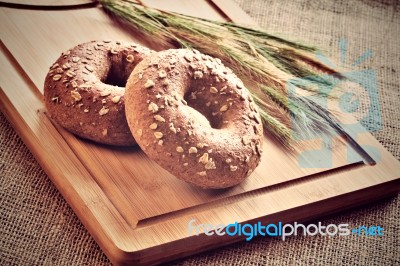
(266, 61)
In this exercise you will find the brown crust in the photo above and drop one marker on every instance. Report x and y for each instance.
(164, 95)
(77, 97)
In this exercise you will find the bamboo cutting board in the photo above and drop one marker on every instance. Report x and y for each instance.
(137, 211)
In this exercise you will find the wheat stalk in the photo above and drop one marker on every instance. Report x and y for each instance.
(266, 62)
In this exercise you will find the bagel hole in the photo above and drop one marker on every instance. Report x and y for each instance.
(115, 78)
(202, 113)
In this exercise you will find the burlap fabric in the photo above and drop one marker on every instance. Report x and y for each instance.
(38, 227)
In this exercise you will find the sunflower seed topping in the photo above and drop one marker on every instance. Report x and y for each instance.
(153, 126)
(89, 68)
(162, 74)
(159, 118)
(153, 107)
(104, 110)
(76, 95)
(233, 168)
(116, 99)
(158, 135)
(130, 58)
(149, 83)
(192, 150)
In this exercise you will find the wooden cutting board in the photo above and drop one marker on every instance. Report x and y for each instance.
(135, 210)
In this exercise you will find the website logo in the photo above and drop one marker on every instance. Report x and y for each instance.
(281, 230)
(356, 94)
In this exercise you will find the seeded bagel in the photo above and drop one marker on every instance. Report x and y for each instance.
(84, 90)
(194, 117)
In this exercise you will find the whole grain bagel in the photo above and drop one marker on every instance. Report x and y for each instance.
(84, 90)
(194, 117)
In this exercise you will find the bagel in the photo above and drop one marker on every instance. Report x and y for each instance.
(84, 90)
(194, 117)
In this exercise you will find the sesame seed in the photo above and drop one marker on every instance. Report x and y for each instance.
(213, 90)
(86, 110)
(179, 149)
(228, 161)
(203, 173)
(185, 164)
(70, 74)
(153, 126)
(104, 132)
(160, 142)
(224, 108)
(57, 77)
